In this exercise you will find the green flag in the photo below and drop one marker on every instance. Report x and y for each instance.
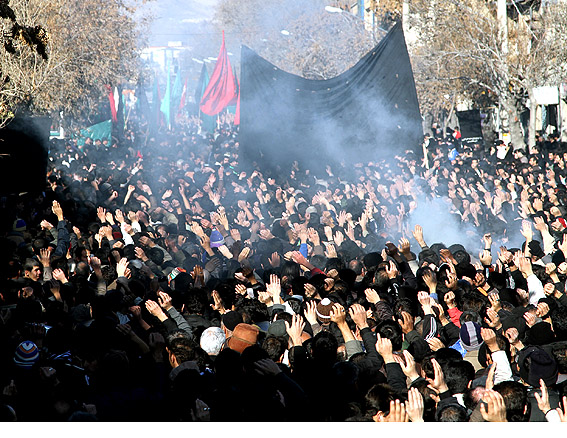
(100, 131)
(165, 107)
(207, 122)
(177, 91)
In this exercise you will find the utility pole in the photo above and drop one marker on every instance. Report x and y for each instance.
(405, 17)
(502, 17)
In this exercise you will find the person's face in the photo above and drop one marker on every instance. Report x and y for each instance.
(34, 274)
(83, 257)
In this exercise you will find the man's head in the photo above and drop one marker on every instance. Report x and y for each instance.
(180, 350)
(212, 340)
(391, 330)
(515, 397)
(32, 270)
(458, 375)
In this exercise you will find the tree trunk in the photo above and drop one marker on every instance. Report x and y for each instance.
(533, 114)
(509, 103)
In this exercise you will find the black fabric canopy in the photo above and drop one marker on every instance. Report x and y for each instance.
(366, 112)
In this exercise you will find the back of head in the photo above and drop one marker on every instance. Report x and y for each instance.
(183, 349)
(391, 330)
(378, 399)
(371, 260)
(515, 397)
(212, 340)
(458, 375)
(453, 413)
(324, 348)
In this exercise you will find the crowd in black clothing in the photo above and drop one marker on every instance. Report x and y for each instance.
(164, 278)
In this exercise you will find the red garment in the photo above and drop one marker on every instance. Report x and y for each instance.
(455, 315)
(316, 271)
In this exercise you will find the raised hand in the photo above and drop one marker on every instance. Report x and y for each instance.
(494, 299)
(438, 382)
(310, 290)
(244, 254)
(392, 270)
(45, 257)
(543, 399)
(314, 236)
(165, 301)
(485, 257)
(101, 214)
(274, 260)
(540, 225)
(384, 348)
(358, 315)
(492, 318)
(425, 300)
(329, 234)
(372, 296)
(121, 267)
(418, 235)
(397, 413)
(59, 275)
(492, 407)
(430, 280)
(489, 338)
(530, 319)
(563, 412)
(45, 225)
(527, 230)
(339, 238)
(57, 210)
(310, 312)
(409, 366)
(119, 216)
(223, 249)
(415, 406)
(155, 310)
(449, 299)
(331, 252)
(240, 289)
(295, 330)
(435, 344)
(109, 218)
(487, 239)
(218, 305)
(404, 247)
(338, 314)
(406, 322)
(542, 310)
(341, 219)
(274, 288)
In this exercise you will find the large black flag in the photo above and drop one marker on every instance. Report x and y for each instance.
(369, 111)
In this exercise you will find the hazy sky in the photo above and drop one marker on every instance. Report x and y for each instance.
(173, 16)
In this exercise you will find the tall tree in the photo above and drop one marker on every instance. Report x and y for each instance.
(299, 37)
(461, 48)
(85, 44)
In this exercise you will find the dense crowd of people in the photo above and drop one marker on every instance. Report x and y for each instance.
(169, 278)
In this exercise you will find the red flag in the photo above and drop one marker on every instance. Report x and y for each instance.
(221, 90)
(112, 103)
